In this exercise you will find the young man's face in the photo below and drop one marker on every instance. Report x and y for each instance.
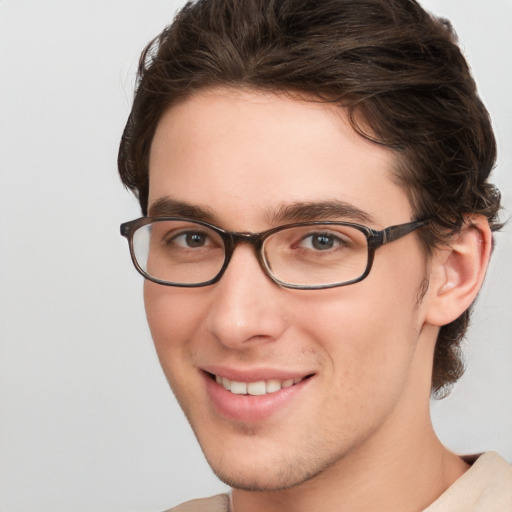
(360, 354)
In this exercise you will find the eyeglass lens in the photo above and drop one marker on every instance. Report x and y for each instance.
(183, 252)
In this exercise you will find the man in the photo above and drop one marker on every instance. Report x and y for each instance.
(317, 224)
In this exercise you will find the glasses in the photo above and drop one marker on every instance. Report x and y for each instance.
(313, 255)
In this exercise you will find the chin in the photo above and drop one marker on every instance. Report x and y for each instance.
(260, 480)
(240, 471)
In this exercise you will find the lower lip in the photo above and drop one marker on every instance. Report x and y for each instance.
(250, 408)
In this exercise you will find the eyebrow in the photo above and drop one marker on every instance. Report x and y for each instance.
(293, 212)
(322, 210)
(168, 207)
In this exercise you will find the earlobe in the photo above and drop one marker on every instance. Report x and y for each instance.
(458, 271)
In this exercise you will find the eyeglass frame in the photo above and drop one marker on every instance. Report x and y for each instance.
(231, 239)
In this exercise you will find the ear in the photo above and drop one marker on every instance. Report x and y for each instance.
(458, 270)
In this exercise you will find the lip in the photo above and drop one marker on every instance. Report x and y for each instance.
(249, 408)
(254, 374)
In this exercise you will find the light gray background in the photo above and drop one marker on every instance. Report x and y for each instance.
(87, 421)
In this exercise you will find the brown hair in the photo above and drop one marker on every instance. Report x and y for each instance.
(397, 70)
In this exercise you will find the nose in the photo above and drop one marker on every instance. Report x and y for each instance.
(247, 306)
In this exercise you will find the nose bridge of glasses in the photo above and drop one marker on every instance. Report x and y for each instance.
(246, 237)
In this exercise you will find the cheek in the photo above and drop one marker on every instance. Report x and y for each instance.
(173, 316)
(369, 338)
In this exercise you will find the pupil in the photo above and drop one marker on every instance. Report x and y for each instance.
(195, 240)
(322, 242)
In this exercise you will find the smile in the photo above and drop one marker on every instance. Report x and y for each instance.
(254, 395)
(257, 388)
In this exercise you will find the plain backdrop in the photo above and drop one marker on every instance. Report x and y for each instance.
(87, 420)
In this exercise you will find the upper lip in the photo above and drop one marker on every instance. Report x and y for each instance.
(254, 374)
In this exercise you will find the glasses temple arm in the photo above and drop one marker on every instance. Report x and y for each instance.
(395, 232)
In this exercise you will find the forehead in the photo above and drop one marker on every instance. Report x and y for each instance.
(243, 154)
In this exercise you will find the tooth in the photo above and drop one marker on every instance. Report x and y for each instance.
(273, 385)
(256, 388)
(287, 383)
(239, 388)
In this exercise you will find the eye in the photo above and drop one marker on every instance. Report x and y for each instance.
(321, 241)
(191, 239)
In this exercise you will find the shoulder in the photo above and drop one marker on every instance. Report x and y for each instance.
(485, 487)
(218, 503)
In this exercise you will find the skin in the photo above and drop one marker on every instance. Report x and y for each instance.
(357, 435)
